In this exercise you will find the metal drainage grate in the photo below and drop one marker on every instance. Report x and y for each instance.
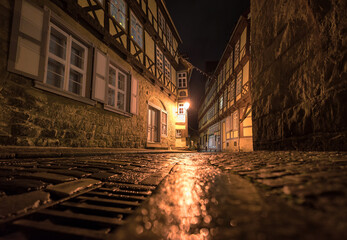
(91, 215)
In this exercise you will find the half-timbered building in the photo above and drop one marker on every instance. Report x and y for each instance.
(102, 73)
(225, 119)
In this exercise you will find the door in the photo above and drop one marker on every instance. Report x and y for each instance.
(153, 117)
(223, 136)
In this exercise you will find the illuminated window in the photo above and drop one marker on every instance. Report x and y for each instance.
(221, 102)
(182, 80)
(118, 11)
(180, 108)
(178, 133)
(66, 62)
(136, 30)
(164, 123)
(159, 58)
(117, 88)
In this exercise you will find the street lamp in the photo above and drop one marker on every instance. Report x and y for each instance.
(186, 105)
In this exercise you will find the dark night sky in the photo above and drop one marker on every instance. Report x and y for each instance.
(205, 27)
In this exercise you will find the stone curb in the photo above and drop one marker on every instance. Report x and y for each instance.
(20, 153)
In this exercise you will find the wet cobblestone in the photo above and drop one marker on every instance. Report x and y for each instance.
(63, 177)
(258, 195)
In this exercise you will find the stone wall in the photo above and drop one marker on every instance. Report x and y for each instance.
(33, 117)
(299, 84)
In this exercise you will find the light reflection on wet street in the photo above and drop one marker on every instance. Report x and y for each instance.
(179, 210)
(188, 205)
(198, 201)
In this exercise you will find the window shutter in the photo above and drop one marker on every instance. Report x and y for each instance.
(100, 76)
(28, 40)
(134, 96)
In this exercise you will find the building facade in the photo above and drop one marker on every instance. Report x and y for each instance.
(225, 118)
(299, 75)
(90, 73)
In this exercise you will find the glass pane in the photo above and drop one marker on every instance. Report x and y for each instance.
(55, 73)
(136, 30)
(111, 97)
(121, 81)
(77, 54)
(120, 101)
(164, 118)
(75, 82)
(57, 44)
(118, 11)
(112, 77)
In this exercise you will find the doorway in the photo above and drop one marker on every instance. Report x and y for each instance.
(223, 136)
(153, 123)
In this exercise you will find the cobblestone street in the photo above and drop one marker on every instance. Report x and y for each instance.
(258, 195)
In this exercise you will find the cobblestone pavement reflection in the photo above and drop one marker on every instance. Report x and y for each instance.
(262, 195)
(255, 196)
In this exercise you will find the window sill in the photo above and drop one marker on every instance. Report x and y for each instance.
(111, 109)
(60, 92)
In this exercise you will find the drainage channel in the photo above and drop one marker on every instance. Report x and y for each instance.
(91, 215)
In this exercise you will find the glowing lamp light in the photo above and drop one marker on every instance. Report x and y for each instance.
(186, 105)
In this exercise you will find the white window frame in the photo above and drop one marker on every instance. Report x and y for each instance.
(66, 62)
(136, 30)
(116, 88)
(182, 79)
(120, 16)
(164, 123)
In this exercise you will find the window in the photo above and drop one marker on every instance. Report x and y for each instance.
(210, 113)
(235, 124)
(221, 103)
(117, 85)
(136, 30)
(169, 36)
(161, 20)
(239, 83)
(178, 133)
(164, 123)
(180, 108)
(118, 11)
(66, 62)
(232, 90)
(159, 60)
(237, 53)
(167, 69)
(183, 94)
(182, 80)
(114, 87)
